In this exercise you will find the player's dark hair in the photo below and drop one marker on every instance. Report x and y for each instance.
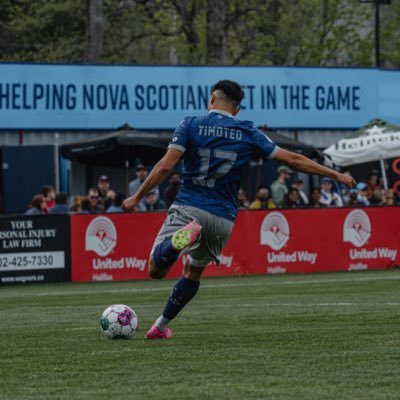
(232, 90)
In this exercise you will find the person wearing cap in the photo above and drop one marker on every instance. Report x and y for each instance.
(329, 197)
(362, 195)
(353, 200)
(279, 188)
(103, 186)
(153, 203)
(141, 175)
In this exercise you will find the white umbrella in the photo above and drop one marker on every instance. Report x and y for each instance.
(375, 141)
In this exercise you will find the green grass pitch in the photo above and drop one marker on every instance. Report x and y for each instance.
(321, 336)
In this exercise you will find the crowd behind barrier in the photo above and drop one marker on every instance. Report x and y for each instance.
(285, 192)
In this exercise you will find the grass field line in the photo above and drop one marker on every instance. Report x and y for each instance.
(94, 290)
(304, 304)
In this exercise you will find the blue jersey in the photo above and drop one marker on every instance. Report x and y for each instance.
(216, 147)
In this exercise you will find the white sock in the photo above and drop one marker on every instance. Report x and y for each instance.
(161, 323)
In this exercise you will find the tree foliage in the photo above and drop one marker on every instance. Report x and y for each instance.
(231, 32)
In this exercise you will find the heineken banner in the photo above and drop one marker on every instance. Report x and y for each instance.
(374, 141)
(40, 96)
(35, 249)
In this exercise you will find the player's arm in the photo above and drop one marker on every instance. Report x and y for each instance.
(160, 171)
(303, 164)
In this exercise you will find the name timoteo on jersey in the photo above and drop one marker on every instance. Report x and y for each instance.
(216, 147)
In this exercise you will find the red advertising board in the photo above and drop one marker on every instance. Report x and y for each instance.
(117, 246)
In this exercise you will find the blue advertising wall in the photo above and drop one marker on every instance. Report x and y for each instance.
(150, 97)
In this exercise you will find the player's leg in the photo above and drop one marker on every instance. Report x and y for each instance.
(177, 233)
(215, 234)
(183, 291)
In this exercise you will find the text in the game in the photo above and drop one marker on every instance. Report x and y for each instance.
(120, 97)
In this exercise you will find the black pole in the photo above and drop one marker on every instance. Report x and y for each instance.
(377, 35)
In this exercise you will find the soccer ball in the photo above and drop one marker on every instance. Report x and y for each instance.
(119, 322)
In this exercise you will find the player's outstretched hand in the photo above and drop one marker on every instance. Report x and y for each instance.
(130, 204)
(347, 180)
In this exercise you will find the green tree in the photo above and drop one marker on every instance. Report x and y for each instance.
(42, 30)
(232, 32)
(390, 35)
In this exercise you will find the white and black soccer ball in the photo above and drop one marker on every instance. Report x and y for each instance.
(119, 322)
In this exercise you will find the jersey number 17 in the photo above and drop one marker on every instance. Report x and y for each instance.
(208, 178)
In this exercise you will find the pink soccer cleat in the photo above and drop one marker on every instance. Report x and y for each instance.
(186, 236)
(155, 333)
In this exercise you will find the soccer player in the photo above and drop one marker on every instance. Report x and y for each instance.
(214, 148)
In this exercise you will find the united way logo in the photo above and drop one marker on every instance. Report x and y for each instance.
(274, 231)
(101, 236)
(357, 228)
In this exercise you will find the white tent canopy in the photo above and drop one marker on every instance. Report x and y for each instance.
(375, 141)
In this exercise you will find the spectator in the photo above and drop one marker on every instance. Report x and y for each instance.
(353, 200)
(388, 198)
(103, 186)
(49, 195)
(303, 199)
(153, 203)
(263, 199)
(172, 189)
(76, 206)
(93, 196)
(316, 199)
(37, 206)
(373, 186)
(116, 206)
(86, 206)
(243, 203)
(292, 198)
(141, 175)
(278, 188)
(108, 200)
(329, 198)
(362, 196)
(61, 206)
